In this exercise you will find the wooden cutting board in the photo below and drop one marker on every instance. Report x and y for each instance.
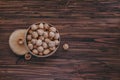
(90, 27)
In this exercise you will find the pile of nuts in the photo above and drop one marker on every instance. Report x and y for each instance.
(42, 39)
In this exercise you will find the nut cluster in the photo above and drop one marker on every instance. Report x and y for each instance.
(42, 39)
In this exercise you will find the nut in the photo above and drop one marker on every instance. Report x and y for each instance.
(52, 34)
(51, 44)
(40, 54)
(47, 51)
(40, 49)
(34, 41)
(29, 37)
(29, 42)
(34, 27)
(35, 51)
(46, 26)
(30, 46)
(41, 38)
(39, 42)
(35, 46)
(56, 42)
(34, 34)
(41, 25)
(45, 34)
(44, 45)
(53, 48)
(65, 46)
(57, 36)
(53, 29)
(47, 40)
(27, 56)
(40, 31)
(30, 31)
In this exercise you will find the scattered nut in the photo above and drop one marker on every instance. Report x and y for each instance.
(27, 56)
(65, 46)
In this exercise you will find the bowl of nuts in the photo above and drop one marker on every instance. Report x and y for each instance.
(42, 39)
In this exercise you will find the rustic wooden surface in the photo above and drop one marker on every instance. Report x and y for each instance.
(90, 27)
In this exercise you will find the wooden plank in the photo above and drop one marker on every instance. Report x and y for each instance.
(91, 28)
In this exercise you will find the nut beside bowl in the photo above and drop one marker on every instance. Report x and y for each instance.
(42, 39)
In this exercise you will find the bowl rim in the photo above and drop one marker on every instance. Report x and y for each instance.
(25, 41)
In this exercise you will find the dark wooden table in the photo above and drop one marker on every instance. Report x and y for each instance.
(90, 27)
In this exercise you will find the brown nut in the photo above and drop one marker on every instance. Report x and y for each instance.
(41, 25)
(51, 34)
(39, 42)
(35, 51)
(40, 53)
(51, 44)
(57, 36)
(34, 34)
(29, 37)
(46, 26)
(28, 56)
(30, 31)
(41, 38)
(47, 51)
(52, 48)
(34, 27)
(40, 31)
(33, 41)
(47, 40)
(53, 29)
(45, 34)
(65, 46)
(40, 49)
(30, 46)
(56, 42)
(44, 44)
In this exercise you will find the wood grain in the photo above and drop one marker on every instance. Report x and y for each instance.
(90, 27)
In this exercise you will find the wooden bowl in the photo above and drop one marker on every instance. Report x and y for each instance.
(51, 53)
